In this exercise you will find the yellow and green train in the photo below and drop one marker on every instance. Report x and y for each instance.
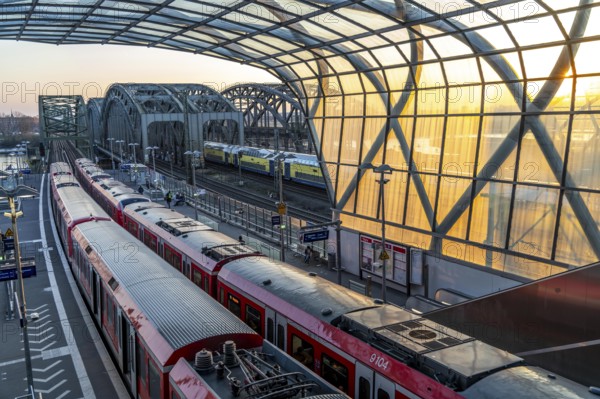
(302, 168)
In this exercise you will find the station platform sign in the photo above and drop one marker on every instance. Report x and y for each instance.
(313, 236)
(8, 269)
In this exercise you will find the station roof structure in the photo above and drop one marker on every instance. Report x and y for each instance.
(484, 110)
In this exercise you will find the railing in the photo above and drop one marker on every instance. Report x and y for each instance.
(253, 219)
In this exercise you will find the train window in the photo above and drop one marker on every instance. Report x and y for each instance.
(197, 278)
(253, 318)
(173, 258)
(381, 394)
(206, 286)
(334, 372)
(303, 351)
(222, 295)
(280, 337)
(270, 335)
(153, 381)
(150, 241)
(233, 304)
(141, 364)
(364, 388)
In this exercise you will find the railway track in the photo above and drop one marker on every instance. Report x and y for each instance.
(256, 191)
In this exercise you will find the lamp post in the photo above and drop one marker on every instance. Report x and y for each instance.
(133, 145)
(194, 155)
(10, 191)
(152, 150)
(281, 207)
(239, 154)
(120, 143)
(384, 256)
(112, 155)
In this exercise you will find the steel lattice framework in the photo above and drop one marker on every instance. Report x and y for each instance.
(173, 117)
(64, 118)
(94, 119)
(485, 110)
(271, 112)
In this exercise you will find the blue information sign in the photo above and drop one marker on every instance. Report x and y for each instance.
(11, 274)
(316, 236)
(276, 220)
(9, 244)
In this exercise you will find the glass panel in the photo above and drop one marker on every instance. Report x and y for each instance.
(331, 136)
(584, 152)
(586, 60)
(451, 188)
(493, 136)
(533, 220)
(533, 165)
(376, 105)
(460, 145)
(351, 141)
(427, 144)
(415, 213)
(539, 63)
(489, 222)
(395, 156)
(462, 71)
(432, 101)
(573, 247)
(522, 31)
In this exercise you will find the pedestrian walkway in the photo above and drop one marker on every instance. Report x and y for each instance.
(271, 248)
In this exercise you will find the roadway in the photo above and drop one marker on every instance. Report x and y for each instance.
(68, 357)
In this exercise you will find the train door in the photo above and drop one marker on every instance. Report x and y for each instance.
(276, 328)
(364, 382)
(384, 388)
(128, 353)
(95, 293)
(370, 385)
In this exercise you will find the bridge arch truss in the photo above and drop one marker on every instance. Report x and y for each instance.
(173, 117)
(273, 116)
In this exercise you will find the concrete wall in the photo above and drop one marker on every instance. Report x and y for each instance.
(438, 273)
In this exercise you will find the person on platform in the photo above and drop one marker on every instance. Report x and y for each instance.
(307, 254)
(169, 198)
(179, 199)
(141, 190)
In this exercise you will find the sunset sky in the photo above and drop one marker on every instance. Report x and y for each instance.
(30, 69)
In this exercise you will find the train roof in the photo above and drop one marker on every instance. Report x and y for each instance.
(64, 180)
(317, 296)
(178, 311)
(403, 335)
(60, 168)
(196, 235)
(97, 176)
(530, 382)
(109, 183)
(281, 377)
(130, 198)
(78, 204)
(145, 206)
(120, 190)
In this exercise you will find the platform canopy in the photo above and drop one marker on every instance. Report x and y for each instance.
(486, 111)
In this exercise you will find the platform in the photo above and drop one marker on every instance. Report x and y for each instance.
(68, 357)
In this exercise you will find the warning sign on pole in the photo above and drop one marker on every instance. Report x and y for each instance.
(281, 208)
(384, 255)
(9, 233)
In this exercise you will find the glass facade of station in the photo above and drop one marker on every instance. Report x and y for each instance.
(487, 111)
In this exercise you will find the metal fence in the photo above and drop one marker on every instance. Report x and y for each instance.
(253, 219)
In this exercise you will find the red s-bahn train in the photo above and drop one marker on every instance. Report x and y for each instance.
(367, 350)
(168, 338)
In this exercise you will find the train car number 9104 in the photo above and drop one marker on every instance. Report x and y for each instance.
(379, 361)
